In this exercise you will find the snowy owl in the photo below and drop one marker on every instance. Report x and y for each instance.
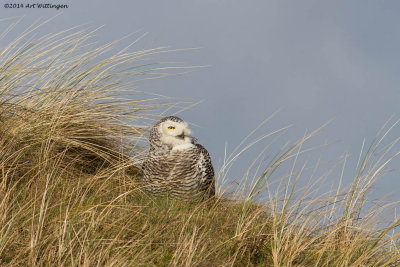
(175, 165)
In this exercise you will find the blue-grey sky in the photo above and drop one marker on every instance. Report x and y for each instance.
(313, 60)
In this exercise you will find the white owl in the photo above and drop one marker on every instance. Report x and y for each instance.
(175, 165)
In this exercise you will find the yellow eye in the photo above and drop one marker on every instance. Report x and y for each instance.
(171, 127)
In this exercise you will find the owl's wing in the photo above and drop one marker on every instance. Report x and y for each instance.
(206, 170)
(182, 172)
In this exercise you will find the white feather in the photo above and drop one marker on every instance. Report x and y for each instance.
(182, 147)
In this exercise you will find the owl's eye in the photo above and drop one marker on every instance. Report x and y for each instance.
(171, 127)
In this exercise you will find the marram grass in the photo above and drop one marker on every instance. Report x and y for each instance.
(70, 192)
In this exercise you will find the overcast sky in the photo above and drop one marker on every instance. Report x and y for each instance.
(312, 60)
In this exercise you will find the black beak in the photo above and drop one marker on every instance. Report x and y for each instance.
(181, 136)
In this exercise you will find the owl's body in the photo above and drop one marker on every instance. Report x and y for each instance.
(176, 165)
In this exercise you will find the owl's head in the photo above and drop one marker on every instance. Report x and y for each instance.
(171, 131)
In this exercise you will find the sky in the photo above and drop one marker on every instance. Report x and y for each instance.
(309, 61)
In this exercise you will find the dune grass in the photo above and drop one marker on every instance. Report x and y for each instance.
(70, 192)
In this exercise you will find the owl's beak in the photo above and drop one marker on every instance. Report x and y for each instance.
(181, 136)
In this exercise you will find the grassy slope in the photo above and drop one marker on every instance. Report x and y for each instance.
(70, 191)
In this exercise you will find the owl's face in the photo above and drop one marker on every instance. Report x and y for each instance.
(175, 133)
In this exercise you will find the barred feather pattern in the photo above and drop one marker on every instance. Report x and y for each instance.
(180, 171)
